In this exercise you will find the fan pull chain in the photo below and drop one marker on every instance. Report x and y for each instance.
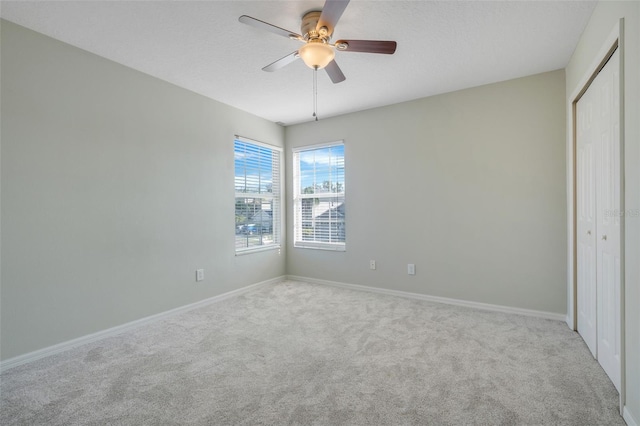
(315, 93)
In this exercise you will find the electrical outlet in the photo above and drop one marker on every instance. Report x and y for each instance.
(372, 264)
(411, 269)
(199, 274)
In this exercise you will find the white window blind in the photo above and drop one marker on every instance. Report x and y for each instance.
(319, 197)
(257, 189)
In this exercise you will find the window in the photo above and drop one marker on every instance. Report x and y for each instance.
(318, 198)
(257, 187)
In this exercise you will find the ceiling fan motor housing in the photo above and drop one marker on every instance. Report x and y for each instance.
(309, 27)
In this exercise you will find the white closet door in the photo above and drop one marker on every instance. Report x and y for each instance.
(586, 221)
(608, 216)
(598, 217)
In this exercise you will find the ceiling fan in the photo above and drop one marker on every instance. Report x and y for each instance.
(318, 52)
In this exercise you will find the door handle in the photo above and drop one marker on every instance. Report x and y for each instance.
(604, 237)
(588, 232)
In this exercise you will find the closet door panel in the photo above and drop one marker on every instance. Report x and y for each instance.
(586, 222)
(608, 217)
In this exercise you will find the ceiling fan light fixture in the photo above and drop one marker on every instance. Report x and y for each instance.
(317, 54)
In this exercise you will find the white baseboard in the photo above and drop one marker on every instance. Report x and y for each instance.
(629, 418)
(437, 299)
(61, 347)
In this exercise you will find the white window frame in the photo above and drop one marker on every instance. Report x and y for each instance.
(298, 196)
(275, 197)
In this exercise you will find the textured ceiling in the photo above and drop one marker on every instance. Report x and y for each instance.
(442, 46)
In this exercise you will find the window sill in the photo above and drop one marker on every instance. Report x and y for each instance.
(257, 249)
(317, 246)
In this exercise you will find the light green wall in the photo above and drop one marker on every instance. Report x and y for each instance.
(116, 187)
(602, 22)
(469, 186)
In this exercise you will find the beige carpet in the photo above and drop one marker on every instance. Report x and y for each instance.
(302, 354)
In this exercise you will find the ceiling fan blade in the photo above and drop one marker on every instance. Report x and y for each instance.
(368, 46)
(331, 13)
(268, 27)
(282, 62)
(335, 73)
